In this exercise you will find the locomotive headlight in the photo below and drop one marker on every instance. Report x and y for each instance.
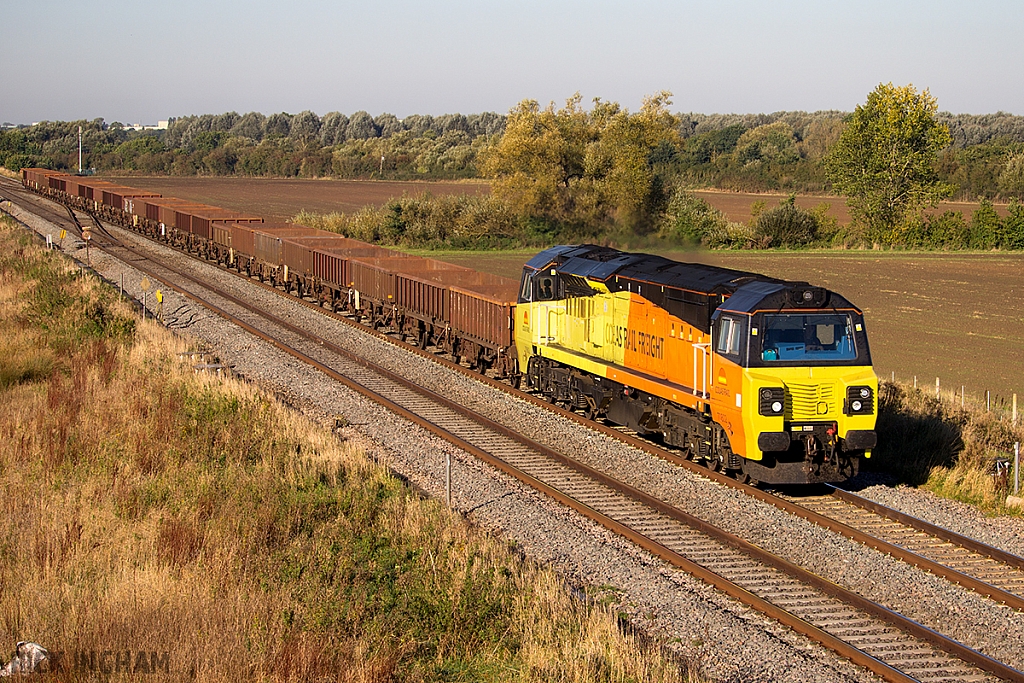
(859, 401)
(771, 401)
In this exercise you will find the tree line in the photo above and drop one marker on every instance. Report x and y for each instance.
(279, 145)
(782, 151)
(602, 172)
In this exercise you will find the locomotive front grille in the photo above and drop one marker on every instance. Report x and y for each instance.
(810, 401)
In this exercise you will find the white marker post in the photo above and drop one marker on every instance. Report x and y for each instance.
(1016, 468)
(448, 477)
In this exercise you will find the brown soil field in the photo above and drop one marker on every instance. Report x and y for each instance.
(736, 205)
(956, 317)
(280, 200)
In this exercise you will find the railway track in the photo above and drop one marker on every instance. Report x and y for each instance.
(1001, 574)
(868, 634)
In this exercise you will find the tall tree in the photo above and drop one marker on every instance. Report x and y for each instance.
(884, 161)
(1011, 180)
(538, 163)
(577, 167)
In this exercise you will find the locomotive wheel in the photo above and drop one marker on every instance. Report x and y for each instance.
(589, 407)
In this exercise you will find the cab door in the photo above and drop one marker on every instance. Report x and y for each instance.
(729, 342)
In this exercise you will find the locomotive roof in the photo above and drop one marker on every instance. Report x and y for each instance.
(602, 263)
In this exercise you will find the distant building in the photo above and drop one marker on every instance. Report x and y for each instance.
(161, 125)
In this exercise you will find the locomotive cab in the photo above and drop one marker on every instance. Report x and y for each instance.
(801, 353)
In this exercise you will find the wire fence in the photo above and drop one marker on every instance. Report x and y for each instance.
(1004, 464)
(1003, 407)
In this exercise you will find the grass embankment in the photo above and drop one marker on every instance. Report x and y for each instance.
(147, 508)
(943, 447)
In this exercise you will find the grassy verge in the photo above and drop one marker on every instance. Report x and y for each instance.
(943, 447)
(148, 508)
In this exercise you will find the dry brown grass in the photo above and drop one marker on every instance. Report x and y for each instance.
(949, 449)
(148, 508)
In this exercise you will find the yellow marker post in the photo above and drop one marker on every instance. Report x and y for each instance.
(159, 305)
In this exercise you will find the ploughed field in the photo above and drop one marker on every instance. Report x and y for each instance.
(956, 316)
(737, 205)
(280, 199)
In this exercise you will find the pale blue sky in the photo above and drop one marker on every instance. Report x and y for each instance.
(144, 61)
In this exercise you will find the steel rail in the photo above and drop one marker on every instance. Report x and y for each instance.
(974, 545)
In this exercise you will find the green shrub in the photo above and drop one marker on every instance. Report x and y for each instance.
(985, 227)
(690, 220)
(1013, 227)
(947, 230)
(424, 221)
(786, 226)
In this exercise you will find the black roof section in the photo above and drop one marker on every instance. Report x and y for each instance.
(750, 295)
(691, 291)
(604, 263)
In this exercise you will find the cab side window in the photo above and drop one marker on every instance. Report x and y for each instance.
(730, 337)
(526, 288)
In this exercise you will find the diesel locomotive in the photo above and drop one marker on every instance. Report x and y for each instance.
(769, 379)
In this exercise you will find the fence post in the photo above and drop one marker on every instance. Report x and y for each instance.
(936, 387)
(894, 377)
(915, 382)
(962, 392)
(988, 401)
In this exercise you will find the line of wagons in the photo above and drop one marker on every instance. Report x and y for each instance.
(458, 310)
